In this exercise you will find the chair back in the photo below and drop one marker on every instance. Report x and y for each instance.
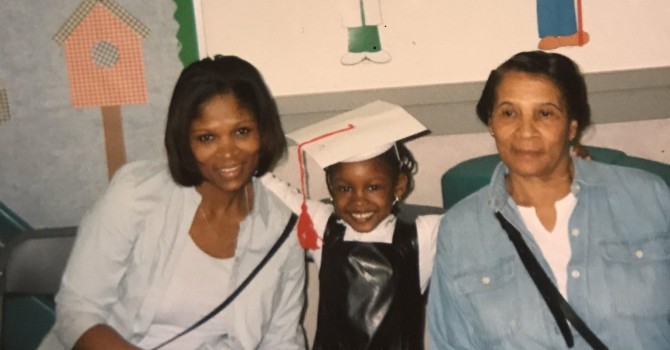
(470, 175)
(32, 264)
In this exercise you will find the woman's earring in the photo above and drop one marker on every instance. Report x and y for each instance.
(396, 200)
(492, 133)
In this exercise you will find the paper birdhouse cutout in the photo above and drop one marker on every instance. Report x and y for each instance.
(103, 50)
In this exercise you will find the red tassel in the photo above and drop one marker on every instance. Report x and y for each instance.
(306, 233)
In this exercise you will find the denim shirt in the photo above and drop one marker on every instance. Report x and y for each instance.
(618, 274)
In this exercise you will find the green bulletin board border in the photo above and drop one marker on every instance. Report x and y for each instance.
(186, 35)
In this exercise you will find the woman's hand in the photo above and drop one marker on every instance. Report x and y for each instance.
(102, 337)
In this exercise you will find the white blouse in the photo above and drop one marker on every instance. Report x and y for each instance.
(199, 284)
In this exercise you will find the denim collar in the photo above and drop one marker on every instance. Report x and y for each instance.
(583, 178)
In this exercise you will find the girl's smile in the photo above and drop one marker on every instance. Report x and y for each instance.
(364, 193)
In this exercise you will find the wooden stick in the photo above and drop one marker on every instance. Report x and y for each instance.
(114, 142)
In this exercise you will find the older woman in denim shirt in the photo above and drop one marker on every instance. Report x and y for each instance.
(600, 232)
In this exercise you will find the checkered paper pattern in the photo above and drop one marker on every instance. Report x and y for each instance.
(105, 54)
(4, 106)
(103, 50)
(85, 7)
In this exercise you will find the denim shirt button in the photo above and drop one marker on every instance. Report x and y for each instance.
(639, 254)
(575, 274)
(575, 232)
(486, 280)
(576, 188)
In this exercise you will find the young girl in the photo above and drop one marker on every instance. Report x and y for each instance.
(373, 268)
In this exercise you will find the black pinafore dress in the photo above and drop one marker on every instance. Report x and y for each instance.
(369, 293)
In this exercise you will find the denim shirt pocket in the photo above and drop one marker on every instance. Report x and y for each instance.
(493, 296)
(638, 276)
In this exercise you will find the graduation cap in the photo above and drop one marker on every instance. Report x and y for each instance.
(357, 135)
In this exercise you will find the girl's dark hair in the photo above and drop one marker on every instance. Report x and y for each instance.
(199, 83)
(402, 162)
(561, 70)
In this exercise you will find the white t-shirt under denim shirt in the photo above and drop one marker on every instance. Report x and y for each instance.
(554, 244)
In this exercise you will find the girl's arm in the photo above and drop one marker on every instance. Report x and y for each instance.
(318, 211)
(289, 195)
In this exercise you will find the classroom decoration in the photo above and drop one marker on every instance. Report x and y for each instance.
(560, 24)
(362, 19)
(4, 106)
(186, 34)
(103, 52)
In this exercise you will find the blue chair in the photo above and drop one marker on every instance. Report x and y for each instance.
(469, 176)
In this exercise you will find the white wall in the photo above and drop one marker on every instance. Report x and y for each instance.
(297, 43)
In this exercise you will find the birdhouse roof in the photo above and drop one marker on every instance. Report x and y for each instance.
(85, 7)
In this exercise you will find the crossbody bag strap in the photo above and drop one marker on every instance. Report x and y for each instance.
(559, 307)
(240, 288)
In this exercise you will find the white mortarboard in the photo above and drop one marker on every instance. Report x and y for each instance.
(360, 134)
(356, 135)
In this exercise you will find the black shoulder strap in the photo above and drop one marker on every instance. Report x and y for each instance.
(558, 306)
(240, 288)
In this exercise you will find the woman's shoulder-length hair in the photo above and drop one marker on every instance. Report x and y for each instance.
(200, 82)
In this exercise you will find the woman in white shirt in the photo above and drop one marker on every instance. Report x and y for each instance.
(167, 243)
